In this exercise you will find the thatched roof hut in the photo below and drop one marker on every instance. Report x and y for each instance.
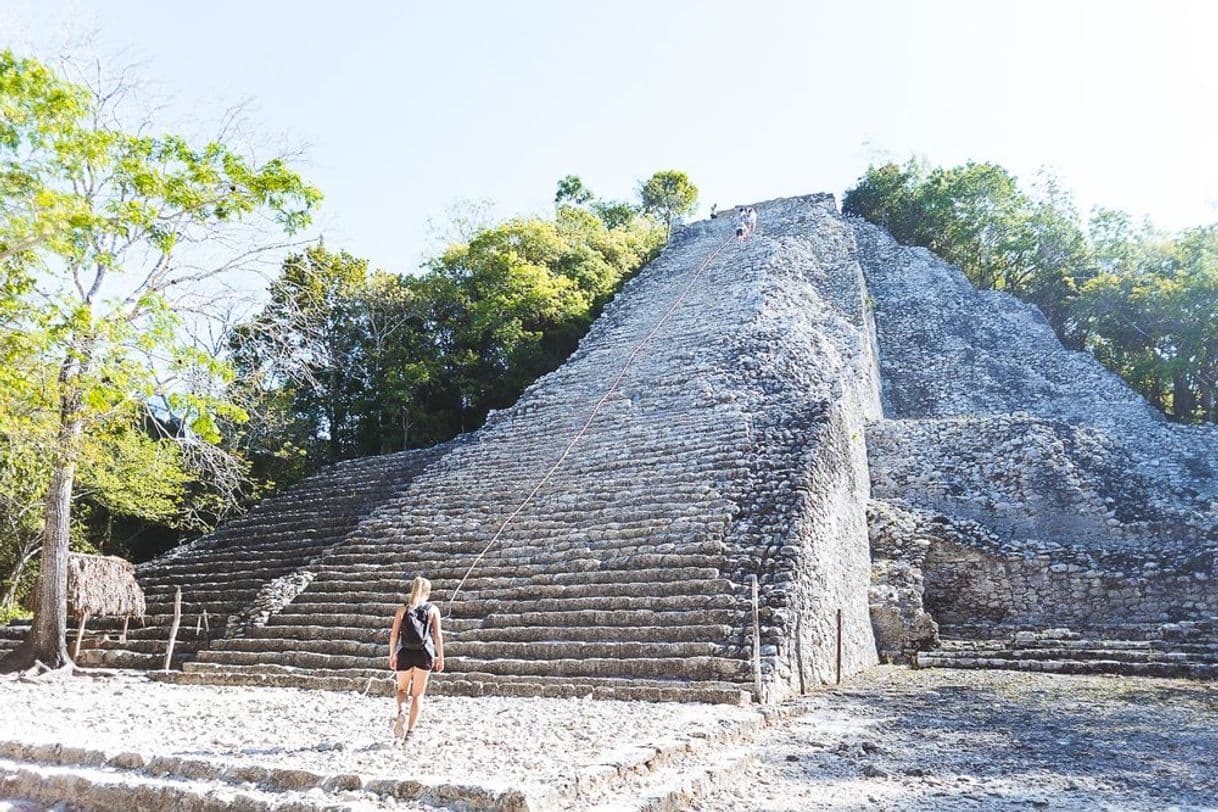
(103, 586)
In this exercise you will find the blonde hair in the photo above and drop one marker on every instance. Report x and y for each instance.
(420, 590)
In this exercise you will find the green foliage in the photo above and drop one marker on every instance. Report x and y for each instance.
(10, 613)
(668, 195)
(380, 362)
(571, 190)
(1144, 303)
(100, 229)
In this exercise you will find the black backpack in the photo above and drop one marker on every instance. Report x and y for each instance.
(415, 633)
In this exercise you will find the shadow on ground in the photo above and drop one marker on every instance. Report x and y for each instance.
(897, 738)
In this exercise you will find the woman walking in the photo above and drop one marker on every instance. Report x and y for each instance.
(416, 647)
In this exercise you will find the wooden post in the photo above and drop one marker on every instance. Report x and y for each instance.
(173, 629)
(80, 632)
(756, 639)
(206, 622)
(839, 646)
(799, 653)
(122, 638)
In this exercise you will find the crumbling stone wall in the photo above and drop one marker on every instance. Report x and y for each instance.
(899, 545)
(1063, 497)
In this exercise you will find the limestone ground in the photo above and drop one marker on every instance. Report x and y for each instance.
(537, 745)
(944, 739)
(890, 739)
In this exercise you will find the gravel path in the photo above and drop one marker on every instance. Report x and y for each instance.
(943, 739)
(520, 742)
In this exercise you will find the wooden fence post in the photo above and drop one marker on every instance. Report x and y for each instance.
(173, 629)
(80, 632)
(123, 637)
(756, 639)
(839, 646)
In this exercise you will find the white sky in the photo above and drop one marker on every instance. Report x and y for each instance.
(406, 106)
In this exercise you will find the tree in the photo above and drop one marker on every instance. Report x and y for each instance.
(128, 235)
(571, 191)
(668, 195)
(124, 470)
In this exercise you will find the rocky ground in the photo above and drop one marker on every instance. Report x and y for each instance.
(891, 739)
(523, 743)
(944, 739)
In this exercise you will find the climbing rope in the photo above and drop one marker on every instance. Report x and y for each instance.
(697, 274)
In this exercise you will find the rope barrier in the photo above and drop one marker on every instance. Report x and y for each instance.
(595, 410)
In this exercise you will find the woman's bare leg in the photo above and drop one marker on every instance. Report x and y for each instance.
(418, 685)
(402, 696)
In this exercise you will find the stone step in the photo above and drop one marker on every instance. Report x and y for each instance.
(183, 645)
(483, 650)
(439, 560)
(522, 634)
(468, 608)
(580, 618)
(251, 563)
(447, 568)
(231, 595)
(1188, 646)
(157, 632)
(1157, 669)
(15, 631)
(1130, 654)
(468, 684)
(514, 590)
(101, 788)
(477, 581)
(124, 658)
(679, 667)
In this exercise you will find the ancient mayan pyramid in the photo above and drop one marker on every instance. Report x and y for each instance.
(819, 376)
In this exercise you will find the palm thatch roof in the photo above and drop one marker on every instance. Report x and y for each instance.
(103, 585)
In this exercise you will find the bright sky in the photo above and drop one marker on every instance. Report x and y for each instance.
(407, 106)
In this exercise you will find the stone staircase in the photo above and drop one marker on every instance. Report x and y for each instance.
(225, 576)
(627, 576)
(1184, 650)
(11, 635)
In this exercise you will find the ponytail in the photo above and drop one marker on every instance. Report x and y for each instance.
(420, 590)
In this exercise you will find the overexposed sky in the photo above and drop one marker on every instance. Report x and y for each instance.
(406, 106)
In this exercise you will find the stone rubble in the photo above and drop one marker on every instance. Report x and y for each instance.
(1040, 491)
(477, 751)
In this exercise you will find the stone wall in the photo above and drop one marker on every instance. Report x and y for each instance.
(900, 540)
(1061, 497)
(812, 352)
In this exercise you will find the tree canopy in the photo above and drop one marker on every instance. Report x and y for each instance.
(112, 239)
(669, 195)
(381, 362)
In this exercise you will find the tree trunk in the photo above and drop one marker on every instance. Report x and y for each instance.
(1182, 403)
(47, 639)
(23, 560)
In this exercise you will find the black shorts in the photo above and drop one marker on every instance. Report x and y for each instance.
(409, 658)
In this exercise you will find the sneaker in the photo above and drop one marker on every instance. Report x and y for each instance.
(399, 727)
